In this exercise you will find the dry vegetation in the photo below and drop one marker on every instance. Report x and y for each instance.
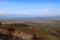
(27, 30)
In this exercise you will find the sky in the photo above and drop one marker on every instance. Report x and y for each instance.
(29, 8)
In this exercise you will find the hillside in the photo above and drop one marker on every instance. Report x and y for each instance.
(46, 33)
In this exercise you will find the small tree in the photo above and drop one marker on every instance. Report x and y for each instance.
(35, 37)
(0, 23)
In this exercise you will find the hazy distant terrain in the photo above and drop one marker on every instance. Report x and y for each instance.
(31, 20)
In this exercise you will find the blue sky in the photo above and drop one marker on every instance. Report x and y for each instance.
(29, 8)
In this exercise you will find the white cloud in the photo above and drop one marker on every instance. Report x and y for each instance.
(41, 12)
(8, 12)
(46, 11)
(3, 12)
